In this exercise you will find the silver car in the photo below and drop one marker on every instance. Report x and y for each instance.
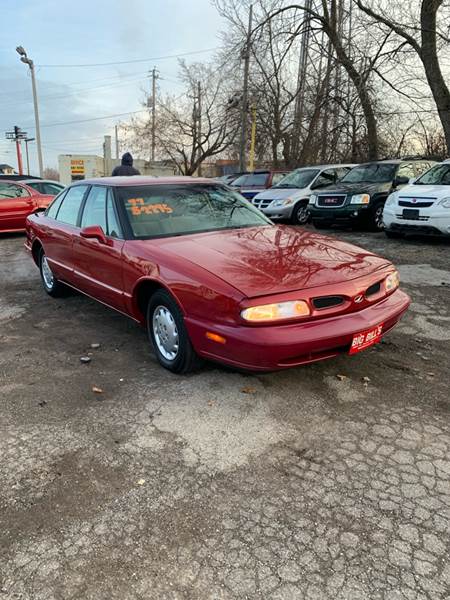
(288, 199)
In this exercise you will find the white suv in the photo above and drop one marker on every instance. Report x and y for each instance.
(421, 207)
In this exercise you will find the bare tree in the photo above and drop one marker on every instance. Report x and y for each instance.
(422, 35)
(50, 173)
(191, 127)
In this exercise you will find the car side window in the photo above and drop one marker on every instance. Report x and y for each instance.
(52, 210)
(406, 170)
(35, 186)
(70, 206)
(50, 188)
(112, 222)
(94, 211)
(11, 190)
(421, 167)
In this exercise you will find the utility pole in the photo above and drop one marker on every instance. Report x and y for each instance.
(154, 77)
(116, 135)
(252, 138)
(24, 58)
(26, 140)
(244, 107)
(199, 128)
(17, 136)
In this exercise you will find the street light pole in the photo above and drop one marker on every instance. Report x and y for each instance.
(244, 107)
(24, 58)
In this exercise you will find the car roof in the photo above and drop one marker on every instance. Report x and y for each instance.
(42, 181)
(135, 180)
(331, 166)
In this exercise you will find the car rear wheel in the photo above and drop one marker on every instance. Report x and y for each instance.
(300, 214)
(168, 334)
(52, 286)
(376, 217)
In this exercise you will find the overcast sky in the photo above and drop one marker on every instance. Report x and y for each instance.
(63, 32)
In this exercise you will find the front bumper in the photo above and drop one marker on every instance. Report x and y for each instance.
(279, 347)
(436, 222)
(342, 214)
(278, 212)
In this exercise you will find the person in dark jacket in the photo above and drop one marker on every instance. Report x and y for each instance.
(126, 168)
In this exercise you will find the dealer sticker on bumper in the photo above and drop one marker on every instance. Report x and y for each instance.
(363, 340)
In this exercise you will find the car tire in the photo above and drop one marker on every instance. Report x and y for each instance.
(51, 285)
(168, 334)
(300, 213)
(376, 217)
(322, 224)
(393, 235)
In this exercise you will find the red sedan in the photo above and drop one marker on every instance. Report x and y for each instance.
(210, 276)
(17, 201)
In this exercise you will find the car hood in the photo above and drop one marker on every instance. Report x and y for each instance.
(260, 261)
(430, 191)
(356, 188)
(280, 193)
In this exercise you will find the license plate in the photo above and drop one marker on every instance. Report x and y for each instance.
(363, 340)
(411, 213)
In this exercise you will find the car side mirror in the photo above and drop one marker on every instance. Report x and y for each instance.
(94, 232)
(398, 181)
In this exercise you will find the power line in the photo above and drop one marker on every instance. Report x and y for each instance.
(138, 60)
(133, 112)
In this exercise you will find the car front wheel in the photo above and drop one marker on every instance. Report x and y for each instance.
(168, 334)
(376, 217)
(52, 286)
(300, 214)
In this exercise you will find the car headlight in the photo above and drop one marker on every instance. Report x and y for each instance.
(360, 199)
(312, 199)
(445, 202)
(276, 312)
(282, 202)
(391, 199)
(392, 282)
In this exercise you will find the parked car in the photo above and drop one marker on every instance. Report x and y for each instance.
(359, 197)
(17, 177)
(422, 207)
(17, 201)
(251, 184)
(228, 179)
(210, 276)
(288, 199)
(45, 186)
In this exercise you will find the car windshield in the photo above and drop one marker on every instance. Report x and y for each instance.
(298, 179)
(372, 173)
(250, 180)
(180, 209)
(438, 175)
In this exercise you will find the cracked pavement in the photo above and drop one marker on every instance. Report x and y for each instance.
(330, 481)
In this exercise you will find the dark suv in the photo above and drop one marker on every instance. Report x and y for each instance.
(360, 195)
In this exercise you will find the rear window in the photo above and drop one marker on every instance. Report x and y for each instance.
(169, 210)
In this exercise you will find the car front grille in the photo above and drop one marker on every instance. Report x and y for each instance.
(417, 204)
(413, 218)
(327, 301)
(331, 201)
(261, 203)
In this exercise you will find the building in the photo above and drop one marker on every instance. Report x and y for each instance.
(73, 167)
(6, 169)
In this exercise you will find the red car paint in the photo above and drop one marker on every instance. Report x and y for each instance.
(15, 210)
(215, 275)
